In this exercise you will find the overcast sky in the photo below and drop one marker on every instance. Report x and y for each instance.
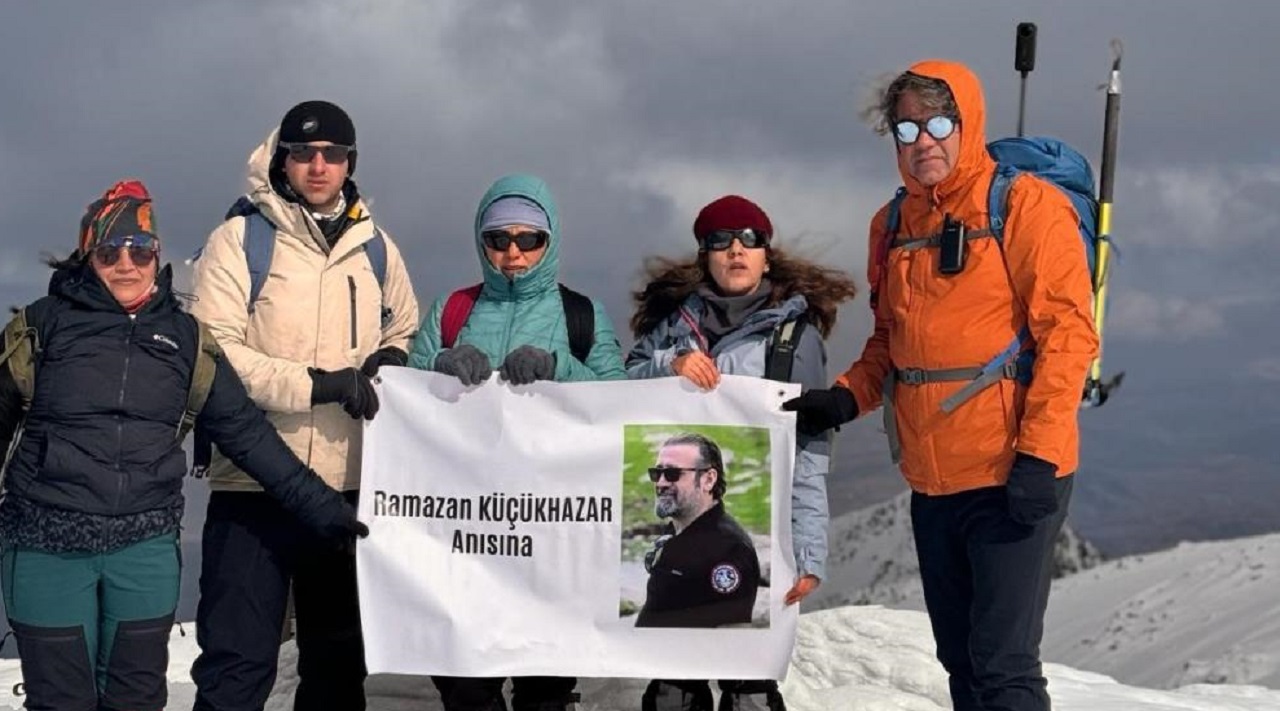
(639, 113)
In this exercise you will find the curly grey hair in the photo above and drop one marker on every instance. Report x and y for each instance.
(881, 111)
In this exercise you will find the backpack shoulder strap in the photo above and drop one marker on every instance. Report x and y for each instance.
(456, 311)
(202, 374)
(781, 357)
(998, 200)
(893, 222)
(21, 344)
(259, 246)
(376, 250)
(580, 320)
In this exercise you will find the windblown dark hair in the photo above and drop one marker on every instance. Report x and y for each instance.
(671, 281)
(76, 259)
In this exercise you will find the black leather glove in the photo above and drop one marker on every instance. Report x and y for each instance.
(464, 362)
(347, 387)
(819, 410)
(1032, 493)
(527, 364)
(383, 356)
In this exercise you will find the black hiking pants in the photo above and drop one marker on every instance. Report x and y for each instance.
(528, 693)
(695, 695)
(252, 549)
(986, 584)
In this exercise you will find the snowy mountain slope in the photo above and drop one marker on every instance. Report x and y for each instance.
(1201, 612)
(867, 658)
(873, 558)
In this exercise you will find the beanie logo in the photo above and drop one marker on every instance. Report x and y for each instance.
(310, 124)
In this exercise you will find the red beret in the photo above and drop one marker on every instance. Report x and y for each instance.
(731, 212)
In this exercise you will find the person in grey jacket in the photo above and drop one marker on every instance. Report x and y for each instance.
(717, 314)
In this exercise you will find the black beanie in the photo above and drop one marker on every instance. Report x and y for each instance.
(319, 121)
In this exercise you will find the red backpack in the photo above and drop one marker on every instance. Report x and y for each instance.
(579, 318)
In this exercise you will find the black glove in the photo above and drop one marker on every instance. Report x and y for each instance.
(1031, 490)
(819, 410)
(338, 525)
(527, 364)
(347, 387)
(350, 529)
(464, 362)
(383, 356)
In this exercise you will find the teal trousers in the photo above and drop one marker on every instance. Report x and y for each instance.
(93, 628)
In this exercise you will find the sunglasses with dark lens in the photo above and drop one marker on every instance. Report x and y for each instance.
(142, 250)
(672, 474)
(305, 152)
(500, 240)
(940, 127)
(722, 239)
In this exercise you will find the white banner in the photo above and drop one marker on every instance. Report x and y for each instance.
(509, 528)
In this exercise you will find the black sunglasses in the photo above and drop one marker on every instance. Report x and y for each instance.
(500, 240)
(305, 152)
(142, 250)
(940, 127)
(722, 239)
(672, 474)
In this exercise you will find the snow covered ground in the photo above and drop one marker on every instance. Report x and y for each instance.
(865, 658)
(1202, 612)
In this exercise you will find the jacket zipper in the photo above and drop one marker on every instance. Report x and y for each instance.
(124, 382)
(351, 282)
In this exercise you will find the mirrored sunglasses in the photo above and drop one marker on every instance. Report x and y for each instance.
(672, 474)
(306, 152)
(500, 240)
(142, 250)
(722, 239)
(939, 127)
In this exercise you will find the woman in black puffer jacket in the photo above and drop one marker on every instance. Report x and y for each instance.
(92, 499)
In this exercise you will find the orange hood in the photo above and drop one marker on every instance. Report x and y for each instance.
(974, 160)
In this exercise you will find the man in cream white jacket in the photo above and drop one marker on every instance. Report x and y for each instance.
(334, 305)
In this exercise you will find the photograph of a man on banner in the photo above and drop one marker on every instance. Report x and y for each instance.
(704, 547)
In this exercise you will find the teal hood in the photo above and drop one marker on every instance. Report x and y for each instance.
(545, 274)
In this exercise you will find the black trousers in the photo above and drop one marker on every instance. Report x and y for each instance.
(986, 585)
(528, 693)
(252, 549)
(695, 695)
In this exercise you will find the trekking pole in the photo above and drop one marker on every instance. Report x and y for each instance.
(1096, 391)
(1024, 60)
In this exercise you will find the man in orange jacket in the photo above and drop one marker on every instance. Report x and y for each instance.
(989, 452)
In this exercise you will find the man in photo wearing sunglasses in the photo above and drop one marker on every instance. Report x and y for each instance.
(989, 453)
(306, 345)
(704, 572)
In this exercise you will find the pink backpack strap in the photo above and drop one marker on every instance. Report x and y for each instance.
(456, 311)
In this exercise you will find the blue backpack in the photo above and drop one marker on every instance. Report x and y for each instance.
(1056, 162)
(260, 244)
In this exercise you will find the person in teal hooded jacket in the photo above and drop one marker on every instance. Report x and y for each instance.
(518, 321)
(517, 326)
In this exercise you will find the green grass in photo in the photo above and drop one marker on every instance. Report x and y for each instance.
(749, 478)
